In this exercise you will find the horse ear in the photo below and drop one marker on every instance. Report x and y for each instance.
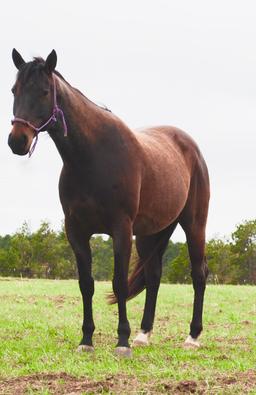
(51, 62)
(17, 59)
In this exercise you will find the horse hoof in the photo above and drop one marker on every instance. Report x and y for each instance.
(142, 339)
(191, 343)
(123, 352)
(85, 348)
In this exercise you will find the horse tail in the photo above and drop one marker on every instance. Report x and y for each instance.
(136, 282)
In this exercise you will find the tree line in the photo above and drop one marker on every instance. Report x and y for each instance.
(46, 253)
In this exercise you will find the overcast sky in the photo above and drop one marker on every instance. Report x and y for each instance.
(190, 64)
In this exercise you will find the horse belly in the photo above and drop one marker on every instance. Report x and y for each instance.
(160, 205)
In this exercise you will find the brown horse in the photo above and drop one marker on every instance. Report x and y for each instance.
(118, 182)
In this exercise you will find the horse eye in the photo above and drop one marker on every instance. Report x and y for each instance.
(45, 92)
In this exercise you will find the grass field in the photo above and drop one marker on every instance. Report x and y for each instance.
(40, 328)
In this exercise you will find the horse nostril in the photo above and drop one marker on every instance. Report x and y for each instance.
(24, 139)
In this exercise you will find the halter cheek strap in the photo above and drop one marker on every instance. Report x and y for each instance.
(53, 118)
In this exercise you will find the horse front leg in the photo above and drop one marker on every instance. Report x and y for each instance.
(122, 244)
(81, 247)
(86, 285)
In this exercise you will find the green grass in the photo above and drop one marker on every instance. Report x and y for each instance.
(40, 329)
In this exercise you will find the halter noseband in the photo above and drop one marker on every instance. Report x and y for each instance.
(53, 118)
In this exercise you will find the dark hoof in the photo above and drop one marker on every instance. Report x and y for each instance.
(85, 348)
(123, 352)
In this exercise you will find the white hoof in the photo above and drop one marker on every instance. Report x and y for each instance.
(142, 339)
(123, 352)
(190, 342)
(85, 348)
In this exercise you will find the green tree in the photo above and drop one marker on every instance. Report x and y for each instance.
(7, 260)
(45, 251)
(244, 249)
(21, 252)
(102, 258)
(219, 258)
(180, 267)
(67, 264)
(172, 251)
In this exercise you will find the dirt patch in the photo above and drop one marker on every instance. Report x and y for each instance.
(13, 279)
(244, 380)
(56, 384)
(237, 383)
(232, 341)
(187, 386)
(58, 300)
(65, 384)
(246, 322)
(61, 300)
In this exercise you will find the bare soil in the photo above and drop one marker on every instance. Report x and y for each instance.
(65, 384)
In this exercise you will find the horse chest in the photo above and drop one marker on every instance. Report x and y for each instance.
(92, 209)
(88, 213)
(80, 203)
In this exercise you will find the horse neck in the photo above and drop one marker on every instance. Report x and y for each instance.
(84, 119)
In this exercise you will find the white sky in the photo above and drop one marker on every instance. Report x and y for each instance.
(191, 64)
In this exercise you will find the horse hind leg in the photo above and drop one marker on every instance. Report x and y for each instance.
(150, 250)
(195, 235)
(122, 243)
(193, 221)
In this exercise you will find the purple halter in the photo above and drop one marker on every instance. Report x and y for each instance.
(56, 110)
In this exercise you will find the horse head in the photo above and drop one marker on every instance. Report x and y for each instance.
(34, 106)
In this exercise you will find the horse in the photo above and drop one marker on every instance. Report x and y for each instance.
(117, 182)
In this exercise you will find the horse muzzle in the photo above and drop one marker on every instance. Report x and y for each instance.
(18, 144)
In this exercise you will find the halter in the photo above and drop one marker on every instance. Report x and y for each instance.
(53, 118)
